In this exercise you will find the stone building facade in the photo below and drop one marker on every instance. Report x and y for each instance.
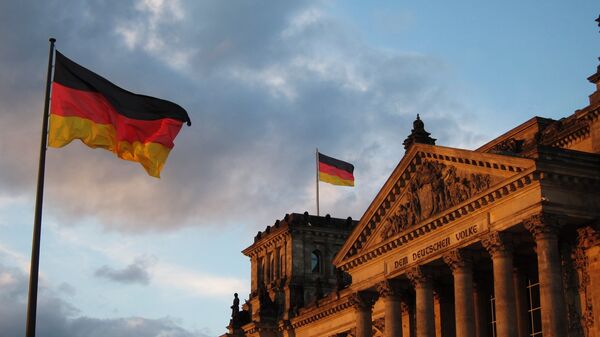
(498, 241)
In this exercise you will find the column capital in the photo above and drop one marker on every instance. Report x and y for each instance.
(391, 288)
(405, 306)
(542, 224)
(498, 244)
(419, 276)
(362, 300)
(588, 237)
(458, 260)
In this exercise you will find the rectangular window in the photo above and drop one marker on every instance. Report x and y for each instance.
(535, 308)
(493, 312)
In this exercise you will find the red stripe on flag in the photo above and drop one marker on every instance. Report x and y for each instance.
(334, 171)
(93, 106)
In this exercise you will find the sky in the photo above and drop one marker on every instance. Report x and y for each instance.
(265, 84)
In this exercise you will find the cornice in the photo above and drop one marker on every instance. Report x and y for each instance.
(534, 121)
(277, 234)
(273, 240)
(571, 129)
(318, 313)
(322, 232)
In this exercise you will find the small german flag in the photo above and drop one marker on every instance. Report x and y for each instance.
(87, 107)
(335, 171)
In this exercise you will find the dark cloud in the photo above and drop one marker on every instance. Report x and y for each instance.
(263, 90)
(58, 318)
(67, 289)
(136, 272)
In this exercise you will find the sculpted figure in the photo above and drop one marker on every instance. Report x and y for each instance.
(235, 308)
(414, 204)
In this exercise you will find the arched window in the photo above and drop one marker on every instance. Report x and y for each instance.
(316, 261)
(278, 262)
(268, 268)
(260, 270)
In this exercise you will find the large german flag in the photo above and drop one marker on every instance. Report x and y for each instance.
(135, 127)
(335, 171)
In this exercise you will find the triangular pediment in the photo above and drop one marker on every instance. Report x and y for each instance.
(428, 181)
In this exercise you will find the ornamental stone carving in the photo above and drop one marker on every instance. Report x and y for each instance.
(542, 224)
(458, 259)
(510, 145)
(498, 244)
(587, 237)
(390, 289)
(362, 300)
(434, 188)
(378, 325)
(419, 276)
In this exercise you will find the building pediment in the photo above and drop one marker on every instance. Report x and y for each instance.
(428, 181)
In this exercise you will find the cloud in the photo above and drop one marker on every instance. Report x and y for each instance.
(56, 317)
(199, 284)
(67, 289)
(136, 272)
(263, 90)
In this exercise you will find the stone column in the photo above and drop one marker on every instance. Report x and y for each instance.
(422, 281)
(499, 246)
(521, 303)
(460, 263)
(544, 229)
(480, 306)
(390, 291)
(363, 305)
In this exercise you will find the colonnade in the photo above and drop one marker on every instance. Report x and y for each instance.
(468, 323)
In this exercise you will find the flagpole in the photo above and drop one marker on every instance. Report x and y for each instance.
(37, 222)
(317, 176)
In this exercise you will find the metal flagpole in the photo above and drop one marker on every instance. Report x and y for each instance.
(317, 181)
(37, 222)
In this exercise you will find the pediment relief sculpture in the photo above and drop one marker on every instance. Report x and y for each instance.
(435, 187)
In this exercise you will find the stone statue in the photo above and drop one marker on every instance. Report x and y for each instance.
(235, 308)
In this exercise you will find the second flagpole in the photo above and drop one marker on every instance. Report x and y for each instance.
(317, 176)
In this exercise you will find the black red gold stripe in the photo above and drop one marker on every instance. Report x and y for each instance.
(87, 107)
(335, 171)
(126, 103)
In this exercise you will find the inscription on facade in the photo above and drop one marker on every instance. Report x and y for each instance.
(411, 255)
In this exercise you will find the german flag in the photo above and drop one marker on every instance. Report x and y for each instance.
(335, 171)
(87, 107)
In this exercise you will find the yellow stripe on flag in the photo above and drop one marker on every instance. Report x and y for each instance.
(63, 130)
(335, 180)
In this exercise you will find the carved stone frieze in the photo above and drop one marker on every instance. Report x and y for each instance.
(435, 187)
(498, 244)
(510, 145)
(458, 260)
